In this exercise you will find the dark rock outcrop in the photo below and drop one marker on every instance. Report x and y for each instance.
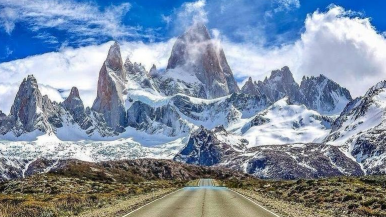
(204, 148)
(153, 72)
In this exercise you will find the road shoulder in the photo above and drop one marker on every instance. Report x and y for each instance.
(280, 207)
(122, 207)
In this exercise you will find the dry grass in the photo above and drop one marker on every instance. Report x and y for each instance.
(341, 196)
(55, 195)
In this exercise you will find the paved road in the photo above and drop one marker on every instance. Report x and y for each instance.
(204, 200)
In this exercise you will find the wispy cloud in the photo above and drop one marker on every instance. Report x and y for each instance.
(285, 5)
(188, 14)
(166, 19)
(8, 52)
(73, 17)
(241, 20)
(47, 37)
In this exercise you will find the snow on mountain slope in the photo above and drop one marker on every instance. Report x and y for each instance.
(49, 147)
(360, 130)
(284, 123)
(360, 115)
(15, 157)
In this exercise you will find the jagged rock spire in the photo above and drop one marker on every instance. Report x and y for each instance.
(153, 71)
(114, 61)
(129, 66)
(74, 105)
(73, 100)
(324, 95)
(27, 103)
(109, 101)
(32, 111)
(250, 88)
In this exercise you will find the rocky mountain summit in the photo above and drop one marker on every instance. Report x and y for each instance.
(280, 84)
(31, 111)
(361, 129)
(209, 147)
(324, 95)
(198, 67)
(74, 105)
(317, 93)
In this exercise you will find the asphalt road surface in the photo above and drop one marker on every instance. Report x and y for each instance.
(204, 200)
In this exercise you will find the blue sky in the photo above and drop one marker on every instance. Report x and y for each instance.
(265, 22)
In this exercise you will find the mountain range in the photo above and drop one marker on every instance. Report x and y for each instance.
(195, 112)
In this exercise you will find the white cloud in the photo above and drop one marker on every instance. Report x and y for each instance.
(190, 13)
(7, 95)
(8, 17)
(336, 43)
(83, 19)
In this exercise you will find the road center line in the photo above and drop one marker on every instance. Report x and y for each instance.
(203, 204)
